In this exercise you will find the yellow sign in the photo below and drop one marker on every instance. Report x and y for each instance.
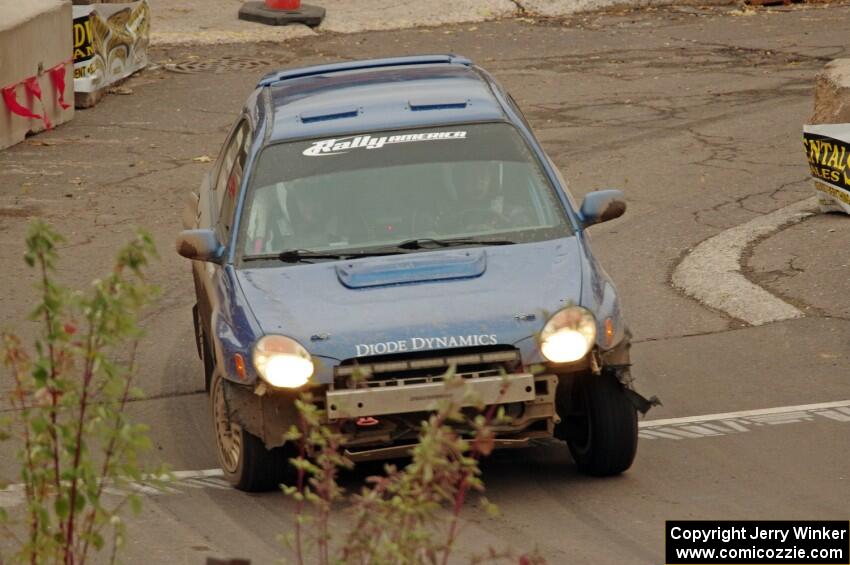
(83, 47)
(829, 159)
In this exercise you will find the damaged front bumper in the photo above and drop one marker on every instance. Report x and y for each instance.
(398, 410)
(380, 414)
(420, 395)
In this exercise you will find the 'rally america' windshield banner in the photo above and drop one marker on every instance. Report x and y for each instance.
(828, 152)
(346, 144)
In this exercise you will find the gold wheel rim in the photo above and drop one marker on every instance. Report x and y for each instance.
(228, 434)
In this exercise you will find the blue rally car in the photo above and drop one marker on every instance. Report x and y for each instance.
(369, 225)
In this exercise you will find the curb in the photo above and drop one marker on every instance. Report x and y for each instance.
(711, 272)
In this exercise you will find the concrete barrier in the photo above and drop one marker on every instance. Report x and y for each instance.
(35, 37)
(832, 94)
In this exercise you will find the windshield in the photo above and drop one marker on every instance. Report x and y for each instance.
(384, 188)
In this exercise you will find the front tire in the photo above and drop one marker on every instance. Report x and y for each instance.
(602, 426)
(246, 462)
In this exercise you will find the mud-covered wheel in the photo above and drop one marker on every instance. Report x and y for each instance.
(246, 462)
(602, 426)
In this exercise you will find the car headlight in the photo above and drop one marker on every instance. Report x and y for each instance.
(568, 335)
(282, 362)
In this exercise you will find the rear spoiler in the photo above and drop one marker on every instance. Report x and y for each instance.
(278, 76)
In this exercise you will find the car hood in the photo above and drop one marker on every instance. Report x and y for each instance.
(414, 302)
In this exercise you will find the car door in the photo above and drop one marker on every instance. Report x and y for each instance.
(217, 208)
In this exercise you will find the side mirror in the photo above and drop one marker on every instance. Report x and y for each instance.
(199, 245)
(602, 205)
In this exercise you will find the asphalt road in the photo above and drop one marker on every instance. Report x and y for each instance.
(695, 113)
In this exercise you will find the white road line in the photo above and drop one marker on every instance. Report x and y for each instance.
(688, 427)
(742, 414)
(702, 430)
(711, 272)
(835, 415)
(197, 474)
(653, 434)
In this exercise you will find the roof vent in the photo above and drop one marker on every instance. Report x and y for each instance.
(424, 104)
(324, 116)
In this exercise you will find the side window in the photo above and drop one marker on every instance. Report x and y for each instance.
(225, 159)
(230, 178)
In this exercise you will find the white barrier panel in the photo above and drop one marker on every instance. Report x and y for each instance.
(828, 152)
(110, 43)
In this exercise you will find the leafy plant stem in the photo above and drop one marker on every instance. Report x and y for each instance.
(88, 372)
(110, 451)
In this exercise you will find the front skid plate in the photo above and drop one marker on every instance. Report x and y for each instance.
(403, 398)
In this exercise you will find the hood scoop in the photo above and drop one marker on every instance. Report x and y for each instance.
(428, 267)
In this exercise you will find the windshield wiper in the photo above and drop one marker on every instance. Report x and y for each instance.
(430, 243)
(306, 256)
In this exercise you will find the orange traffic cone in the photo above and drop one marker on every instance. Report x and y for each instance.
(283, 4)
(281, 12)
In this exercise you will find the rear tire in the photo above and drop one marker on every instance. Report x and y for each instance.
(602, 426)
(243, 457)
